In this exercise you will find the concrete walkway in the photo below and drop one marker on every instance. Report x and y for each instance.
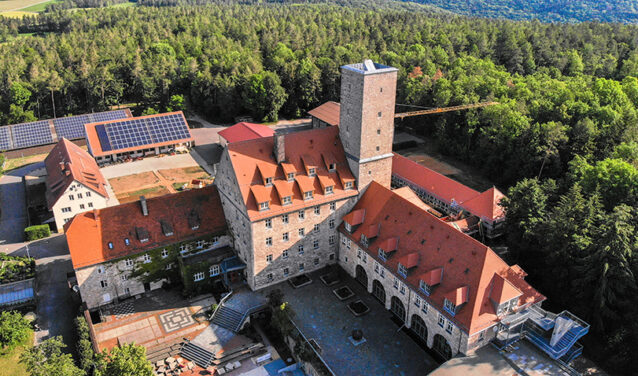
(149, 164)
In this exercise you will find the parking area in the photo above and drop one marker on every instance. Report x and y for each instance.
(324, 318)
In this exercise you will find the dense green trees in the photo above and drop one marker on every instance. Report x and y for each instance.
(47, 359)
(14, 329)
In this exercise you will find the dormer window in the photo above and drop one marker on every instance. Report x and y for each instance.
(348, 185)
(286, 200)
(329, 190)
(268, 182)
(312, 172)
(332, 167)
(427, 289)
(307, 195)
(450, 307)
(291, 176)
(348, 227)
(382, 255)
(403, 271)
(507, 307)
(263, 205)
(364, 240)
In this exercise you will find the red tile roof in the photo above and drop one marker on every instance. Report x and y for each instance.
(327, 112)
(458, 296)
(439, 185)
(465, 261)
(95, 146)
(245, 131)
(410, 260)
(355, 217)
(486, 205)
(67, 163)
(245, 156)
(503, 290)
(432, 277)
(88, 234)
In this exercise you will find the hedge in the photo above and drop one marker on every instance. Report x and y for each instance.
(37, 232)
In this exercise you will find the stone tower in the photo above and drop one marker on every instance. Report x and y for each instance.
(366, 124)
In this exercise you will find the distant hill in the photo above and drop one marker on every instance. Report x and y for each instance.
(625, 11)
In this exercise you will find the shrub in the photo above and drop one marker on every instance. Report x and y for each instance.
(37, 232)
(14, 329)
(86, 355)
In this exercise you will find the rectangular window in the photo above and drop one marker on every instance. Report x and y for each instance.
(79, 195)
(365, 258)
(402, 289)
(307, 195)
(382, 255)
(300, 249)
(110, 245)
(214, 270)
(441, 320)
(376, 267)
(291, 176)
(100, 269)
(198, 276)
(268, 242)
(286, 272)
(333, 206)
(312, 172)
(317, 210)
(481, 336)
(128, 262)
(302, 214)
(88, 194)
(449, 306)
(90, 204)
(268, 182)
(284, 254)
(164, 253)
(302, 232)
(316, 228)
(425, 287)
(417, 302)
(332, 166)
(449, 327)
(81, 206)
(270, 277)
(343, 240)
(123, 277)
(359, 253)
(268, 223)
(424, 308)
(284, 218)
(396, 283)
(316, 261)
(263, 205)
(66, 210)
(315, 244)
(348, 185)
(71, 197)
(331, 224)
(287, 200)
(331, 240)
(329, 190)
(104, 283)
(403, 271)
(285, 236)
(127, 241)
(348, 227)
(301, 267)
(269, 258)
(201, 244)
(146, 258)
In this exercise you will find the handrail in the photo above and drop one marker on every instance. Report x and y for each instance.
(220, 304)
(249, 312)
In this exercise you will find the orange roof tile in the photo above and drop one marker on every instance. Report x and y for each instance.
(432, 277)
(408, 194)
(465, 261)
(328, 159)
(371, 231)
(288, 168)
(246, 155)
(355, 217)
(327, 112)
(458, 296)
(439, 185)
(325, 180)
(345, 175)
(309, 162)
(261, 193)
(389, 245)
(267, 170)
(67, 163)
(502, 290)
(486, 205)
(245, 131)
(410, 260)
(284, 188)
(88, 234)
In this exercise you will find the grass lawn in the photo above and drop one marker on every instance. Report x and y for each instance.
(17, 14)
(9, 362)
(14, 163)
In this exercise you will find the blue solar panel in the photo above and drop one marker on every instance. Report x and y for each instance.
(106, 116)
(5, 138)
(137, 132)
(71, 127)
(31, 134)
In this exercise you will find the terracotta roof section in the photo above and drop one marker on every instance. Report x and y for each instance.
(267, 170)
(371, 231)
(100, 145)
(284, 188)
(458, 296)
(67, 163)
(89, 234)
(408, 194)
(486, 205)
(503, 290)
(288, 168)
(261, 193)
(245, 156)
(465, 261)
(437, 184)
(389, 244)
(410, 260)
(468, 224)
(329, 159)
(432, 277)
(245, 131)
(328, 112)
(326, 180)
(355, 217)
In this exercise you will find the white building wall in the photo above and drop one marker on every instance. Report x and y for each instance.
(77, 198)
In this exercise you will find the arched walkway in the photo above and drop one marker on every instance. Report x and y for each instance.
(378, 291)
(418, 326)
(397, 308)
(442, 347)
(361, 276)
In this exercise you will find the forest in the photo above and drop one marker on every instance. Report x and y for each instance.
(563, 142)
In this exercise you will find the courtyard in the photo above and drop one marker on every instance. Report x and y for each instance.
(328, 323)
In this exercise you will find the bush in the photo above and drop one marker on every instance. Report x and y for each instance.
(14, 329)
(37, 232)
(86, 355)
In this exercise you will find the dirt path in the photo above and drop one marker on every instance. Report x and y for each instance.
(165, 182)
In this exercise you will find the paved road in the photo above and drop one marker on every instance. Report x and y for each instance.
(13, 218)
(56, 307)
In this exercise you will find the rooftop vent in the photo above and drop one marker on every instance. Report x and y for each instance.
(369, 65)
(144, 206)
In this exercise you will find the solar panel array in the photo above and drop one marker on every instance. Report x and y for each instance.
(5, 138)
(142, 131)
(72, 127)
(31, 134)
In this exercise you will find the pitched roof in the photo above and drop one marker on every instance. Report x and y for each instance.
(464, 260)
(503, 290)
(246, 156)
(430, 180)
(458, 296)
(88, 234)
(486, 205)
(355, 217)
(67, 163)
(245, 131)
(327, 112)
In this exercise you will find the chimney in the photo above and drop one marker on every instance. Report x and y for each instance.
(61, 166)
(96, 216)
(144, 207)
(280, 147)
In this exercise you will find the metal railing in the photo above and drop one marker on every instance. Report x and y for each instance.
(220, 304)
(250, 311)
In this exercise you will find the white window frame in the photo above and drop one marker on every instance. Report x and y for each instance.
(214, 270)
(199, 276)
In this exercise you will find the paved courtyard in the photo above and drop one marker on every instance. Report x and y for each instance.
(327, 320)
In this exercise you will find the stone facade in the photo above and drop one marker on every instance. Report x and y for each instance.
(415, 303)
(76, 199)
(367, 123)
(114, 280)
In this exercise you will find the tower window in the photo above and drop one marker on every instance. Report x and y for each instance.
(378, 131)
(380, 90)
(377, 148)
(379, 114)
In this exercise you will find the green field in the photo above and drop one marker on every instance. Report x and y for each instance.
(9, 361)
(37, 8)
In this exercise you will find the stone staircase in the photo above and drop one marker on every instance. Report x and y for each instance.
(228, 318)
(196, 354)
